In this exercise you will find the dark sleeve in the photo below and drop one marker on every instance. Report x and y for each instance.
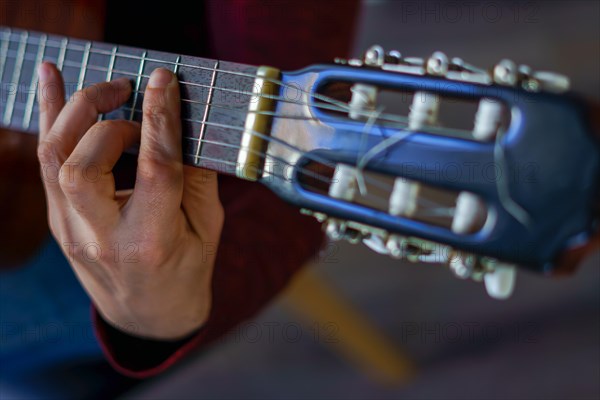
(264, 242)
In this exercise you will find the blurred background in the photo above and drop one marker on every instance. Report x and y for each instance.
(356, 325)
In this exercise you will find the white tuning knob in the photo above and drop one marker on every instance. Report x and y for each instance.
(469, 213)
(505, 73)
(404, 197)
(487, 119)
(500, 282)
(343, 185)
(423, 111)
(437, 64)
(363, 101)
(375, 56)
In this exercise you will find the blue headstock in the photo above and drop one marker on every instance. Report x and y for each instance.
(518, 187)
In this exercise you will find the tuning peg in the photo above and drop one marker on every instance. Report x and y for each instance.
(499, 277)
(505, 73)
(363, 101)
(500, 282)
(337, 230)
(469, 214)
(437, 64)
(375, 56)
(423, 111)
(343, 185)
(396, 246)
(487, 119)
(404, 197)
(462, 264)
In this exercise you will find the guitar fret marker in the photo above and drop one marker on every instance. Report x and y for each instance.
(84, 62)
(31, 96)
(137, 85)
(206, 109)
(10, 103)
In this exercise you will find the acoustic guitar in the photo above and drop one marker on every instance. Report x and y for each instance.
(514, 187)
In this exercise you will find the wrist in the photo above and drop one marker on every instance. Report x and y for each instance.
(158, 315)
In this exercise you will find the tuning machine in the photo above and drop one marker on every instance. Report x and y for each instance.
(506, 72)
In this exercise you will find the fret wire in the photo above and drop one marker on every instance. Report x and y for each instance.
(10, 103)
(211, 159)
(62, 53)
(27, 116)
(111, 63)
(4, 52)
(176, 68)
(206, 109)
(109, 72)
(137, 84)
(84, 62)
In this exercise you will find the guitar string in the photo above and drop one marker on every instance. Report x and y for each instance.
(232, 108)
(76, 65)
(177, 64)
(508, 203)
(375, 182)
(335, 105)
(388, 187)
(310, 173)
(340, 105)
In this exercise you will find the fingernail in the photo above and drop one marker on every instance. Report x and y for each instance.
(160, 78)
(43, 72)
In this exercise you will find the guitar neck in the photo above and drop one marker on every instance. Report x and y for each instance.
(215, 95)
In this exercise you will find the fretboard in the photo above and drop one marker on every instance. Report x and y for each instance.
(214, 94)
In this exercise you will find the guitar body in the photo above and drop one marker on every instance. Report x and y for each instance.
(22, 203)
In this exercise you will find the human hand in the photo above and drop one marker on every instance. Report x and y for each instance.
(145, 256)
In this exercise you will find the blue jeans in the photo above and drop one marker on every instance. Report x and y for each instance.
(47, 344)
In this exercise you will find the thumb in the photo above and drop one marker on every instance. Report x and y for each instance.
(201, 203)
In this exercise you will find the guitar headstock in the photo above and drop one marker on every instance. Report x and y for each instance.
(516, 186)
